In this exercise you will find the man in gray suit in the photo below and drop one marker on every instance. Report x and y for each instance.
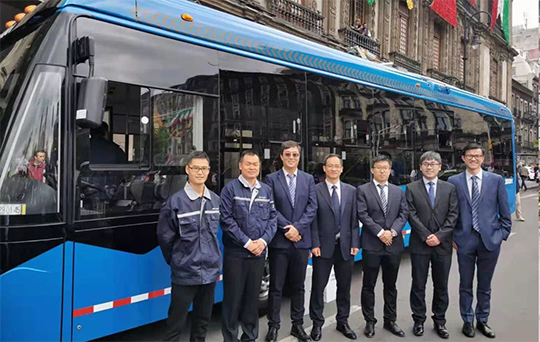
(335, 242)
(382, 209)
(433, 213)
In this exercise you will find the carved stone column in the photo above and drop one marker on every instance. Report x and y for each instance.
(345, 10)
(330, 20)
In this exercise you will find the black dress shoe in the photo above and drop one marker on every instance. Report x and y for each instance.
(394, 328)
(468, 329)
(418, 329)
(485, 329)
(369, 330)
(346, 330)
(316, 333)
(299, 332)
(271, 336)
(441, 330)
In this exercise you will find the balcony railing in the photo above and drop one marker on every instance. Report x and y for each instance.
(297, 15)
(351, 37)
(436, 74)
(408, 63)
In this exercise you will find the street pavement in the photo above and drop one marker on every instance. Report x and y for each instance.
(514, 305)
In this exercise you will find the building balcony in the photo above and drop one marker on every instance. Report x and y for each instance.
(452, 80)
(530, 118)
(528, 145)
(351, 37)
(406, 62)
(297, 15)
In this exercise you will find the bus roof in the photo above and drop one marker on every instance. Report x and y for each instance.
(224, 31)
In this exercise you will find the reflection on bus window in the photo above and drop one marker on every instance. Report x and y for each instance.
(135, 160)
(30, 168)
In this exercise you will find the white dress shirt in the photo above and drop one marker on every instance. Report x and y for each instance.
(478, 181)
(434, 185)
(330, 190)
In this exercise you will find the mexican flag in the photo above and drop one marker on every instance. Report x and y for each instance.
(501, 8)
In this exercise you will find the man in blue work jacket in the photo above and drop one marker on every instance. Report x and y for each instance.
(249, 222)
(187, 234)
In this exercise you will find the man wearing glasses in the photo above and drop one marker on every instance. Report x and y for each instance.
(187, 234)
(382, 209)
(484, 222)
(296, 204)
(433, 213)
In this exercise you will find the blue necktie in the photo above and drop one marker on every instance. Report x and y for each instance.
(337, 209)
(475, 203)
(432, 194)
(292, 188)
(384, 201)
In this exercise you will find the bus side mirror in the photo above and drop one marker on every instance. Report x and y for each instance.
(91, 102)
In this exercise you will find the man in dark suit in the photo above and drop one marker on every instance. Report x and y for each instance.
(484, 222)
(433, 213)
(335, 241)
(382, 209)
(296, 203)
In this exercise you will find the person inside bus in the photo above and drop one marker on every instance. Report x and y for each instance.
(296, 203)
(187, 234)
(383, 211)
(36, 168)
(249, 222)
(103, 150)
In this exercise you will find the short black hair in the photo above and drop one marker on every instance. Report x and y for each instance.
(472, 146)
(197, 155)
(381, 158)
(39, 151)
(248, 153)
(333, 155)
(288, 144)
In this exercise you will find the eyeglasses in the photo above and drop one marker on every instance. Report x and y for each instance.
(291, 155)
(337, 166)
(430, 164)
(475, 156)
(198, 169)
(381, 168)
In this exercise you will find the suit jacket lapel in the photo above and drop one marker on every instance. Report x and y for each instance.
(423, 190)
(299, 185)
(465, 187)
(344, 194)
(485, 177)
(283, 181)
(438, 192)
(376, 194)
(325, 194)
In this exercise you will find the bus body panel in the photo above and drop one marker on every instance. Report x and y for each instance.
(31, 298)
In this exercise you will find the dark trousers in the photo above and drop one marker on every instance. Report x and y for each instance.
(390, 268)
(241, 288)
(182, 296)
(485, 260)
(440, 270)
(321, 272)
(523, 184)
(294, 262)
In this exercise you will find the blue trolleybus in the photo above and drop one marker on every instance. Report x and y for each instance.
(100, 102)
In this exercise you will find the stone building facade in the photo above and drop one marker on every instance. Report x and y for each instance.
(525, 110)
(416, 39)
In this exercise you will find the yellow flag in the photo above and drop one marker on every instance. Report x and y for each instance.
(410, 4)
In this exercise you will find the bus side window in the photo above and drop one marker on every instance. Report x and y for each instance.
(29, 169)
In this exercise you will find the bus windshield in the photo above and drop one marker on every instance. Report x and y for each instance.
(16, 53)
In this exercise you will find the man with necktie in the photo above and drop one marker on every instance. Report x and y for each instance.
(296, 204)
(433, 213)
(335, 242)
(484, 222)
(382, 209)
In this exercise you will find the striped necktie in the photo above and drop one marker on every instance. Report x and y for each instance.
(432, 193)
(475, 203)
(384, 200)
(292, 187)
